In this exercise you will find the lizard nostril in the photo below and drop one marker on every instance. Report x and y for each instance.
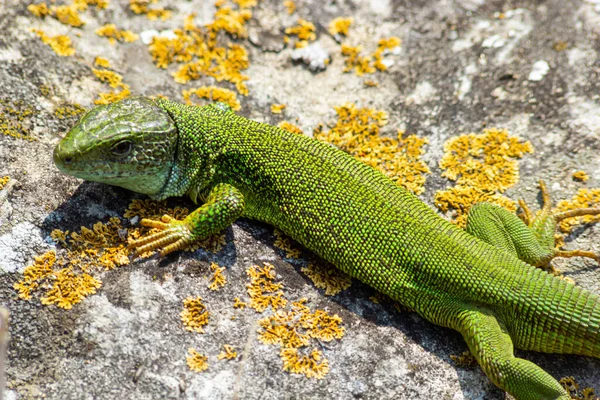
(67, 160)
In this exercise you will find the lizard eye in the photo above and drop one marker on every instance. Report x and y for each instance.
(122, 148)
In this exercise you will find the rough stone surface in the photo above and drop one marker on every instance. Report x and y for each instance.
(462, 67)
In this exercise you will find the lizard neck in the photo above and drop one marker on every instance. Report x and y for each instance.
(198, 146)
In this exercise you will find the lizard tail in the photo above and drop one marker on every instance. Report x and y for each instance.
(560, 317)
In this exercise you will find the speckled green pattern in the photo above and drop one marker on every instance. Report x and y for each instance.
(354, 217)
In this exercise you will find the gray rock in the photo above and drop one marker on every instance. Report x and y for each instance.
(462, 67)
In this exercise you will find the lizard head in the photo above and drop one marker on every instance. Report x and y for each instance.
(130, 143)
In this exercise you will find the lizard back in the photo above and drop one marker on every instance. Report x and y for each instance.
(369, 227)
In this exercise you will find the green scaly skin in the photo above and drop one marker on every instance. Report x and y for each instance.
(352, 216)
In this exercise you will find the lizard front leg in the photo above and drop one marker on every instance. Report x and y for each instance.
(223, 206)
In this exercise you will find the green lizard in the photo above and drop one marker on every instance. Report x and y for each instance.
(481, 282)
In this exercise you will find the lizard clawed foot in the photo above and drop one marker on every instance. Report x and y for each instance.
(546, 220)
(174, 235)
(527, 216)
(578, 253)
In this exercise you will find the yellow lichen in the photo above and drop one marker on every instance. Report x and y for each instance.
(194, 315)
(70, 288)
(142, 7)
(165, 51)
(589, 393)
(569, 383)
(112, 96)
(213, 93)
(290, 127)
(68, 111)
(228, 353)
(158, 13)
(305, 30)
(237, 303)
(388, 44)
(14, 119)
(277, 108)
(104, 246)
(115, 81)
(290, 5)
(487, 161)
(293, 330)
(231, 21)
(61, 44)
(82, 5)
(68, 15)
(35, 273)
(263, 290)
(585, 198)
(371, 63)
(357, 133)
(307, 365)
(560, 45)
(355, 61)
(101, 62)
(580, 176)
(45, 90)
(462, 198)
(67, 286)
(325, 327)
(375, 299)
(113, 34)
(483, 166)
(327, 277)
(198, 50)
(245, 4)
(196, 361)
(370, 83)
(466, 359)
(4, 181)
(217, 280)
(572, 388)
(284, 243)
(300, 324)
(40, 10)
(153, 209)
(221, 68)
(340, 26)
(286, 335)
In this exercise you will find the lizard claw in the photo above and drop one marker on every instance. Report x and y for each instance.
(544, 223)
(173, 235)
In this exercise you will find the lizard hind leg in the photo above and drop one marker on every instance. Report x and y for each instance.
(530, 238)
(544, 225)
(503, 229)
(491, 345)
